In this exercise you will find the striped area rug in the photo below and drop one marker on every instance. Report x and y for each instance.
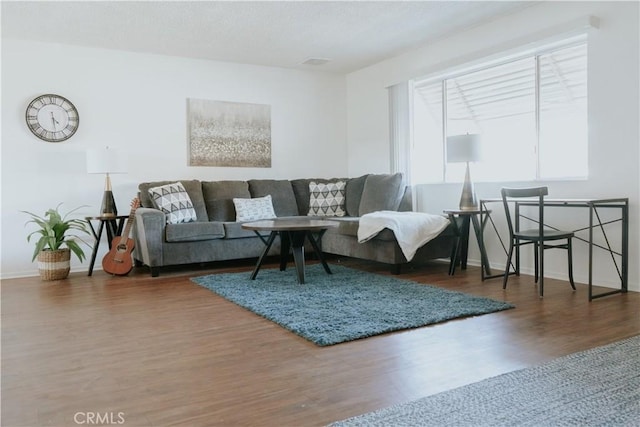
(596, 387)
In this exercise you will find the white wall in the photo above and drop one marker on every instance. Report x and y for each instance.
(613, 117)
(137, 102)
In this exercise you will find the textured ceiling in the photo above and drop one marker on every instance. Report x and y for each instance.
(352, 34)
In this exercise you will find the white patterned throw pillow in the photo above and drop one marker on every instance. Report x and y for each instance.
(254, 209)
(174, 201)
(327, 199)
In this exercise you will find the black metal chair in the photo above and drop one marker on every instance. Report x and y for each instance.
(537, 236)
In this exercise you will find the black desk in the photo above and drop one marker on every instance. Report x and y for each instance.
(595, 221)
(114, 225)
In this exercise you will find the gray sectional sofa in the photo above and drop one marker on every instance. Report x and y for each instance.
(216, 236)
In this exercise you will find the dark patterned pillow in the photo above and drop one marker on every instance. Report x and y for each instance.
(327, 199)
(173, 200)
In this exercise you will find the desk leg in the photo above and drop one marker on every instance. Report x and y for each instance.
(625, 247)
(272, 237)
(590, 253)
(623, 272)
(485, 216)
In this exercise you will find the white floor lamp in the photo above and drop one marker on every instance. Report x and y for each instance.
(465, 149)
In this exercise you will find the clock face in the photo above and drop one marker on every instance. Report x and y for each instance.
(52, 118)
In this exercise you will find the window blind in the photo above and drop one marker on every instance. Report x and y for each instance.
(509, 89)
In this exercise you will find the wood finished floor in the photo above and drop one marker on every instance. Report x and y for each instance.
(165, 352)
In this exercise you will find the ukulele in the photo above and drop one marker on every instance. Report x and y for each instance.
(118, 260)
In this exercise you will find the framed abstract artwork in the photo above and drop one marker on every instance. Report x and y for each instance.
(229, 134)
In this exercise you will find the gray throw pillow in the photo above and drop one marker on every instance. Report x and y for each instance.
(381, 193)
(353, 194)
(301, 191)
(219, 195)
(284, 200)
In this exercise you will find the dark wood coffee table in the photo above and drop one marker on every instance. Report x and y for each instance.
(293, 232)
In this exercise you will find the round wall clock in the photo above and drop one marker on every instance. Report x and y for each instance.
(52, 118)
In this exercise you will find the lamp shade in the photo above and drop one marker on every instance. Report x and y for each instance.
(105, 160)
(463, 148)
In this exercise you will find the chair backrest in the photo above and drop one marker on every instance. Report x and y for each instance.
(517, 193)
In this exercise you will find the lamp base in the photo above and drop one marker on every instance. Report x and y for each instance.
(468, 200)
(108, 207)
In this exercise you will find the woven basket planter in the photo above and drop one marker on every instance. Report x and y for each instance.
(54, 265)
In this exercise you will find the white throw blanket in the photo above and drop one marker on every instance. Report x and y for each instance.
(412, 229)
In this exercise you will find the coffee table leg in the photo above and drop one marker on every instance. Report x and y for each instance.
(272, 237)
(316, 247)
(285, 246)
(297, 246)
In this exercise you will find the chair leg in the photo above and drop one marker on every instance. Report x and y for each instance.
(540, 248)
(535, 262)
(570, 259)
(508, 266)
(517, 243)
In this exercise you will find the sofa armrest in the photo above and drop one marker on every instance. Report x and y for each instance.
(149, 234)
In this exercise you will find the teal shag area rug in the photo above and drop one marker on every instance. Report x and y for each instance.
(346, 305)
(596, 387)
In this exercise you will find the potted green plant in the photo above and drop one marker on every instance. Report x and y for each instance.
(56, 231)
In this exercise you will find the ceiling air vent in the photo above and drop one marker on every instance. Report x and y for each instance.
(315, 61)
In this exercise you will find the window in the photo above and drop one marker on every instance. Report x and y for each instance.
(531, 111)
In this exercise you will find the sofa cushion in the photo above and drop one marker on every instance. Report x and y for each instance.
(218, 198)
(301, 192)
(381, 193)
(174, 201)
(348, 226)
(194, 231)
(326, 199)
(353, 194)
(234, 230)
(254, 209)
(281, 192)
(194, 190)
